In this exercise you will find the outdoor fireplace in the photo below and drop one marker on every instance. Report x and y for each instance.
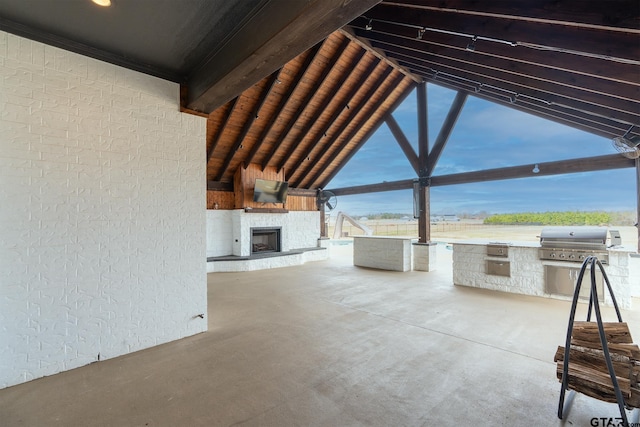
(265, 239)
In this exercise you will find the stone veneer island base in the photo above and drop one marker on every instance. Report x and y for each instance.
(523, 272)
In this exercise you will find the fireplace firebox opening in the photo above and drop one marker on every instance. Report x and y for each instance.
(265, 239)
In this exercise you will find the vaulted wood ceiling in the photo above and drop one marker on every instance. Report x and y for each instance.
(308, 117)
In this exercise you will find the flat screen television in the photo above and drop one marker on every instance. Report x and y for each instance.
(266, 191)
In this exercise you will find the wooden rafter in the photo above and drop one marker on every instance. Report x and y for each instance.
(302, 174)
(305, 101)
(320, 110)
(371, 131)
(362, 117)
(284, 100)
(508, 77)
(337, 110)
(216, 139)
(354, 110)
(247, 124)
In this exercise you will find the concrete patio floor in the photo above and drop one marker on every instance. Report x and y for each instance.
(330, 344)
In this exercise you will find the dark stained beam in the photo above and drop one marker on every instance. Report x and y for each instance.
(286, 28)
(424, 203)
(317, 82)
(353, 112)
(423, 127)
(247, 124)
(618, 45)
(319, 111)
(283, 101)
(589, 164)
(219, 186)
(403, 142)
(303, 174)
(596, 125)
(216, 139)
(601, 68)
(609, 15)
(371, 131)
(302, 192)
(445, 130)
(517, 80)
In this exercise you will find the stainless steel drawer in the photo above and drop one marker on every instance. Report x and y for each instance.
(499, 268)
(498, 250)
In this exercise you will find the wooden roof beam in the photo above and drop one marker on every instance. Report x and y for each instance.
(589, 164)
(371, 131)
(353, 112)
(305, 101)
(216, 139)
(247, 124)
(403, 142)
(445, 131)
(619, 46)
(320, 109)
(364, 76)
(530, 81)
(311, 54)
(565, 114)
(287, 28)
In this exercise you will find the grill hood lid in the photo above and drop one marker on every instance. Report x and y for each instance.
(573, 234)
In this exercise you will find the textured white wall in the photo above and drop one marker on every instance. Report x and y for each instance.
(102, 217)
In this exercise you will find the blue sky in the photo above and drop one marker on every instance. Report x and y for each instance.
(486, 136)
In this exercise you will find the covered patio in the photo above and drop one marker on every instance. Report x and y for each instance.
(327, 344)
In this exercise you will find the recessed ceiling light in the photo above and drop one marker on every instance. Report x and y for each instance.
(104, 3)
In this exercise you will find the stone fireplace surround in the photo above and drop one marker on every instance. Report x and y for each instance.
(229, 231)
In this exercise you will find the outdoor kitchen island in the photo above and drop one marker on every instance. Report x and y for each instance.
(517, 267)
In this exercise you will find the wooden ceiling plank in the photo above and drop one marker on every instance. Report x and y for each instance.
(547, 88)
(337, 111)
(589, 164)
(364, 76)
(353, 112)
(619, 46)
(525, 89)
(215, 141)
(247, 124)
(610, 15)
(445, 131)
(287, 29)
(319, 111)
(403, 142)
(371, 131)
(305, 101)
(284, 100)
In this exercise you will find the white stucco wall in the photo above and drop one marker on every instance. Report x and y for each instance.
(102, 217)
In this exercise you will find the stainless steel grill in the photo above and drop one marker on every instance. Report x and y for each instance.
(573, 244)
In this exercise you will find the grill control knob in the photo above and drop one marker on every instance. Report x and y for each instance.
(572, 256)
(562, 255)
(552, 255)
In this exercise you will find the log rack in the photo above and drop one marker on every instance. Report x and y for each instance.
(591, 342)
